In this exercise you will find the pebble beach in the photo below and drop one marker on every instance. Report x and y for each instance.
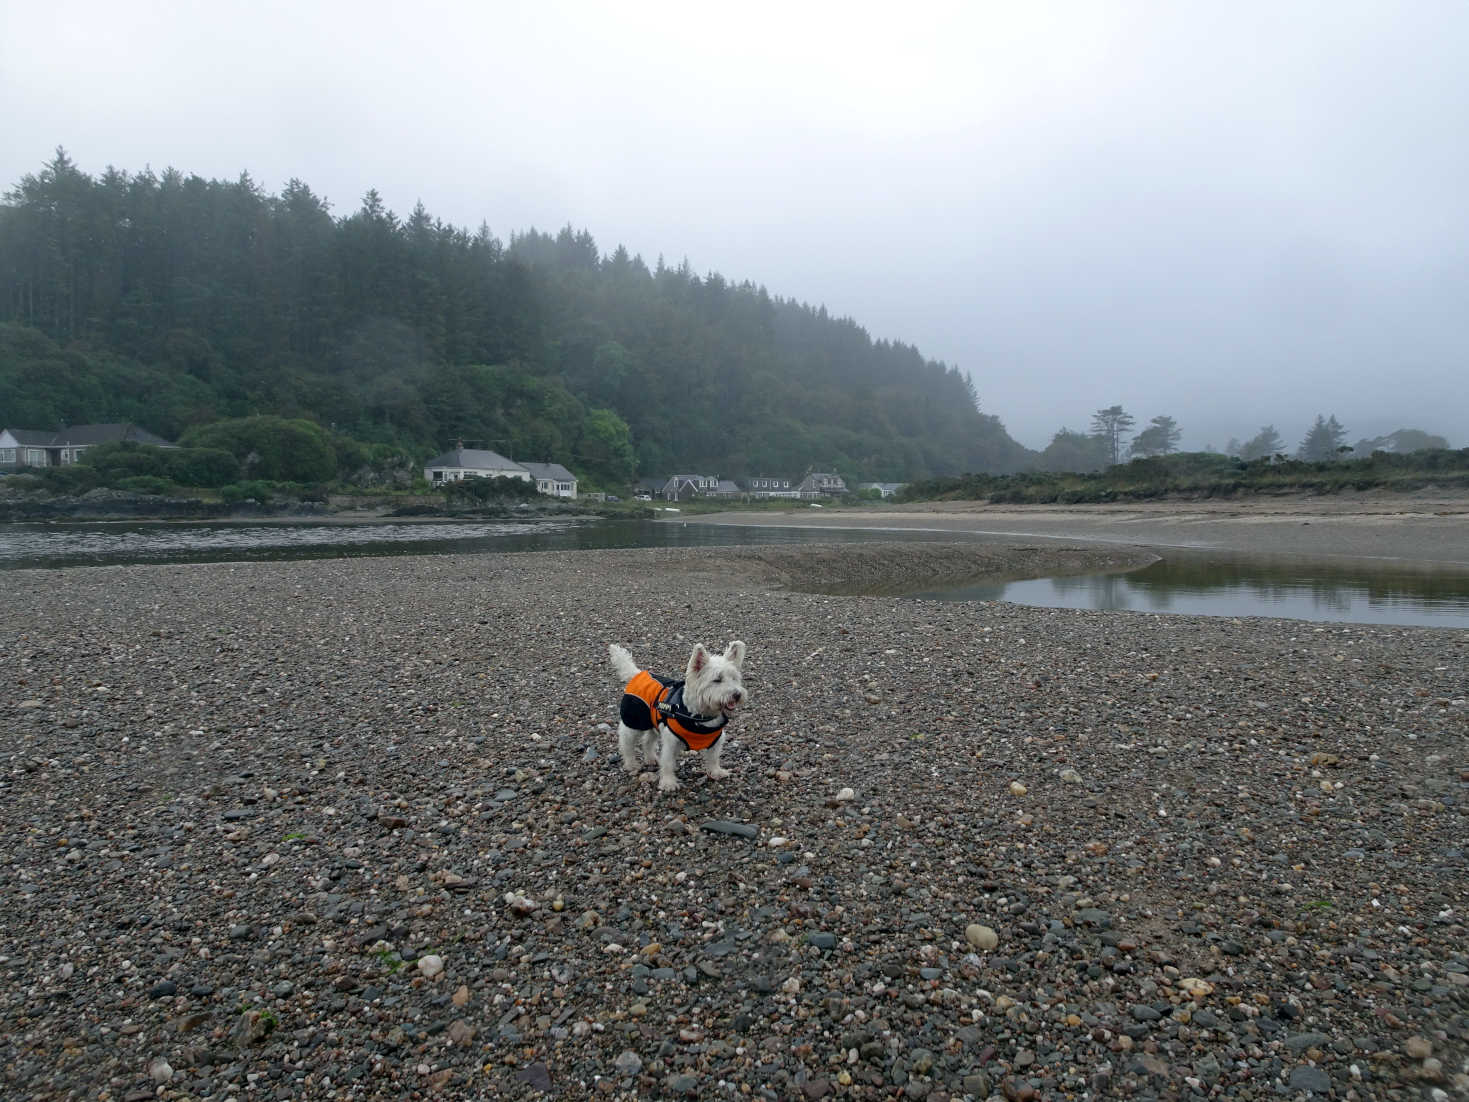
(357, 829)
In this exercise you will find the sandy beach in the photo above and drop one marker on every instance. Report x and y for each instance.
(1426, 527)
(356, 828)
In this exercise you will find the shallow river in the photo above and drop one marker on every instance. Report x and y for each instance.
(1215, 584)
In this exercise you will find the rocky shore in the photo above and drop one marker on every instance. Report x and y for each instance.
(356, 828)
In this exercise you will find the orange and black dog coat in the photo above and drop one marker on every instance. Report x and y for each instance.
(648, 700)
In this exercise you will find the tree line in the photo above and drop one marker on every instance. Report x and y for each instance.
(178, 302)
(1106, 444)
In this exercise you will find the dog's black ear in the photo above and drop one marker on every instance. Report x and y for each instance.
(735, 654)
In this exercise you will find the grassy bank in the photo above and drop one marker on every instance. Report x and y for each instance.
(1204, 475)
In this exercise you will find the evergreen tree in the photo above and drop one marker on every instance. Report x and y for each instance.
(1324, 441)
(1262, 445)
(1110, 424)
(1161, 437)
(175, 301)
(1074, 452)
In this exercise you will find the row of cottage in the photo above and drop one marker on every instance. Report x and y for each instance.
(554, 479)
(29, 448)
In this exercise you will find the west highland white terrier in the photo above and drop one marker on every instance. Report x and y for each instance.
(688, 714)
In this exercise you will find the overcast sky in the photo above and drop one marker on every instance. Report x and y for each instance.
(1231, 213)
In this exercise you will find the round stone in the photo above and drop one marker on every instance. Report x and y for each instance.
(982, 938)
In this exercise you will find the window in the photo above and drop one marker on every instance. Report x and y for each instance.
(7, 455)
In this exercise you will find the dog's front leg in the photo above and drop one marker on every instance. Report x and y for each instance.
(710, 755)
(668, 751)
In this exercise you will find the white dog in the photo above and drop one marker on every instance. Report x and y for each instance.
(688, 714)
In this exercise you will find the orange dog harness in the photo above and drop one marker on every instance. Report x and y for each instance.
(648, 700)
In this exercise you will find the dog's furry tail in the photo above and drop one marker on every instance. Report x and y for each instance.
(622, 662)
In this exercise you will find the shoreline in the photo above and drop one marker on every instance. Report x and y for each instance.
(1429, 531)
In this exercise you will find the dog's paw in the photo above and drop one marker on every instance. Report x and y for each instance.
(667, 784)
(718, 773)
(630, 766)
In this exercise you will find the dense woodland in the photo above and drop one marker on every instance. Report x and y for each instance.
(175, 302)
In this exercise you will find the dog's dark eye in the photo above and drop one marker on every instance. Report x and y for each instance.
(718, 679)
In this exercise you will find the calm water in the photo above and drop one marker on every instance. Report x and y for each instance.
(28, 546)
(1218, 584)
(1185, 582)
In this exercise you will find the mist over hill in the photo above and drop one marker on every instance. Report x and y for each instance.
(174, 301)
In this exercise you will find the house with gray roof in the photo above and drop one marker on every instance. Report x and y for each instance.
(553, 479)
(462, 463)
(21, 448)
(682, 487)
(822, 484)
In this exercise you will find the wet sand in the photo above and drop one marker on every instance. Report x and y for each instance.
(1428, 528)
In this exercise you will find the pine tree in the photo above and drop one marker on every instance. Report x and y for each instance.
(1110, 424)
(1262, 445)
(1323, 442)
(1159, 438)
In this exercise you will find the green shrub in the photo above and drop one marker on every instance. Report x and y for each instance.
(209, 467)
(272, 448)
(144, 484)
(257, 490)
(483, 491)
(75, 479)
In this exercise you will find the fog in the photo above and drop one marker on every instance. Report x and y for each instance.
(1232, 215)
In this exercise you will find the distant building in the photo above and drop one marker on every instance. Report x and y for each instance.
(764, 486)
(886, 489)
(822, 484)
(553, 479)
(462, 463)
(21, 448)
(682, 487)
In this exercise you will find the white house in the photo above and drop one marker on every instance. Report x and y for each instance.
(763, 486)
(553, 479)
(462, 463)
(41, 448)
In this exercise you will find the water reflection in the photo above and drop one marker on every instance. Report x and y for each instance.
(1215, 584)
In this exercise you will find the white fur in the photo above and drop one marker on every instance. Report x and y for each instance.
(712, 684)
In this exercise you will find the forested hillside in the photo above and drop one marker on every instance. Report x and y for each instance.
(174, 301)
